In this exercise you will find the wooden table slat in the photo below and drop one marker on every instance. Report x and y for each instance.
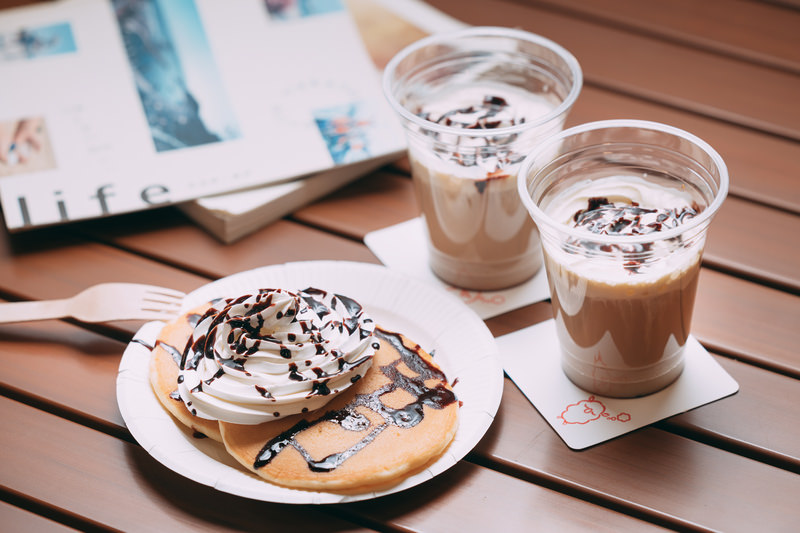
(98, 471)
(748, 321)
(187, 246)
(62, 270)
(754, 422)
(71, 369)
(761, 32)
(377, 201)
(15, 519)
(681, 471)
(479, 499)
(656, 69)
(107, 481)
(755, 241)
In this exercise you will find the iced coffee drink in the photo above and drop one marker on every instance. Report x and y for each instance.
(632, 313)
(474, 103)
(623, 227)
(480, 235)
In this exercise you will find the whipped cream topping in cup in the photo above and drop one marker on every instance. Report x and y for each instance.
(275, 353)
(479, 107)
(624, 206)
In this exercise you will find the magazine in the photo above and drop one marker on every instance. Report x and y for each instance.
(386, 26)
(112, 106)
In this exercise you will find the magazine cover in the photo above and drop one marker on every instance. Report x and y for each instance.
(385, 26)
(110, 106)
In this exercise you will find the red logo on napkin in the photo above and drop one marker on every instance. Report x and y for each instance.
(470, 297)
(589, 410)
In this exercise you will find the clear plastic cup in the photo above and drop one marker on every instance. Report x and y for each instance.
(515, 88)
(623, 279)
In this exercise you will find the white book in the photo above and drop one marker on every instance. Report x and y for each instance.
(231, 216)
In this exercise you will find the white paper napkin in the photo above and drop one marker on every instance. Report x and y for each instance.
(531, 359)
(403, 247)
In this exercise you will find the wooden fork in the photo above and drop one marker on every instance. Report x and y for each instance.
(103, 302)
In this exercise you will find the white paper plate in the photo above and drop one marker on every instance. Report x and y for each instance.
(459, 340)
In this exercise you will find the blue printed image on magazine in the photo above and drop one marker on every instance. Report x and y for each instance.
(33, 42)
(176, 76)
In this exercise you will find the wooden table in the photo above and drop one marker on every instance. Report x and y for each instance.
(726, 70)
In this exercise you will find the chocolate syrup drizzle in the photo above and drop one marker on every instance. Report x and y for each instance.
(603, 217)
(175, 353)
(143, 343)
(171, 350)
(349, 419)
(492, 113)
(176, 356)
(485, 116)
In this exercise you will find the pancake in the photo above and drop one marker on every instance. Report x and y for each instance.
(164, 366)
(400, 417)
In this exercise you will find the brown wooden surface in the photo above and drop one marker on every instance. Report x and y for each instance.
(726, 70)
(756, 31)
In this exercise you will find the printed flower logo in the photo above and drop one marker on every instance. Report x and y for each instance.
(589, 410)
(469, 297)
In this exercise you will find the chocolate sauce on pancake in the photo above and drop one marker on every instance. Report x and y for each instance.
(349, 419)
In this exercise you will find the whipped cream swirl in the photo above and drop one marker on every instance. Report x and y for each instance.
(276, 353)
(479, 115)
(624, 206)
